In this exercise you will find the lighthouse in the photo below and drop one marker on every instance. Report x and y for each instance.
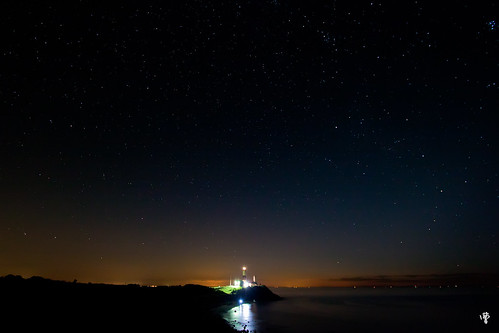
(244, 281)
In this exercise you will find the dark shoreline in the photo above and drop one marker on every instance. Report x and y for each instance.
(64, 306)
(59, 305)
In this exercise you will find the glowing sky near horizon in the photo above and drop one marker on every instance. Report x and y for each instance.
(311, 142)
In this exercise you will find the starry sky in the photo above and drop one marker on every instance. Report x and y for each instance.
(317, 143)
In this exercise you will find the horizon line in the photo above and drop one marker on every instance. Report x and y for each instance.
(400, 280)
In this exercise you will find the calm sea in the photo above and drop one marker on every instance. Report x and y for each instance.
(371, 310)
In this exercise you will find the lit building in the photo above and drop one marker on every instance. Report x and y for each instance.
(244, 283)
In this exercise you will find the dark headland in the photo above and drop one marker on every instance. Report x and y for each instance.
(58, 305)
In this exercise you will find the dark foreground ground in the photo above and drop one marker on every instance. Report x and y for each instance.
(38, 303)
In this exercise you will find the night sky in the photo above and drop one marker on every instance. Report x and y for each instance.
(317, 143)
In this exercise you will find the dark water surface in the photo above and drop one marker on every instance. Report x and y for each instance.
(371, 310)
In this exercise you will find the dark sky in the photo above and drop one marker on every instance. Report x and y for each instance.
(173, 142)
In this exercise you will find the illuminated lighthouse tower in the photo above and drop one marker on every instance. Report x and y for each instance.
(244, 283)
(244, 280)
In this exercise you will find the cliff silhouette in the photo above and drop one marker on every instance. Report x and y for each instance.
(258, 294)
(39, 303)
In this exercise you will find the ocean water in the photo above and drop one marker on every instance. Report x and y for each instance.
(371, 310)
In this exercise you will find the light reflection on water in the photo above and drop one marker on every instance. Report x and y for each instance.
(243, 317)
(354, 310)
